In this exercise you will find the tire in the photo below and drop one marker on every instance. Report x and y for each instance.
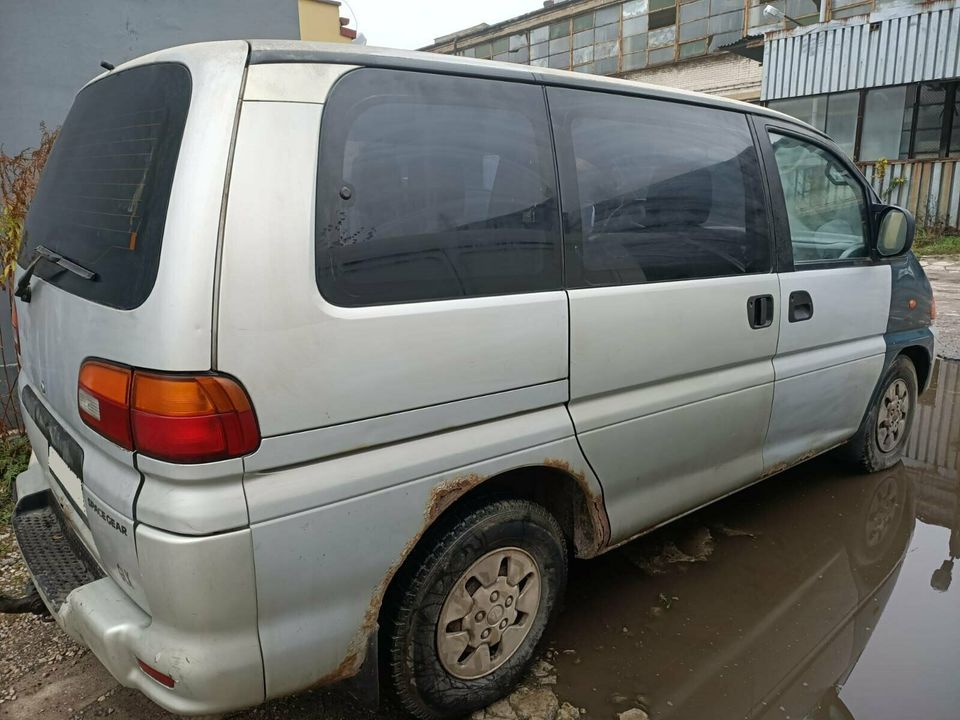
(497, 572)
(874, 448)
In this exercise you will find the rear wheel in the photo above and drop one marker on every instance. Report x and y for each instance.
(470, 613)
(880, 441)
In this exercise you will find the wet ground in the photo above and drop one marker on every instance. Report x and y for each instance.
(944, 275)
(818, 594)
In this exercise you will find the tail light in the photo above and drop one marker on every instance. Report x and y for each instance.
(933, 309)
(178, 418)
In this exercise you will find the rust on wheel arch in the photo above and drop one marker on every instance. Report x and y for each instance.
(591, 534)
(591, 525)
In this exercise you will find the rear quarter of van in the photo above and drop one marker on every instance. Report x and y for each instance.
(169, 577)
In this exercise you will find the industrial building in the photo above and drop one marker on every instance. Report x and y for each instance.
(879, 76)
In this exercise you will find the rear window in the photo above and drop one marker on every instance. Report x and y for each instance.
(433, 187)
(102, 200)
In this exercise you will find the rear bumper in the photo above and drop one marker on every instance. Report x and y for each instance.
(202, 631)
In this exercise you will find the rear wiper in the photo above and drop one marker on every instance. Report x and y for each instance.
(41, 252)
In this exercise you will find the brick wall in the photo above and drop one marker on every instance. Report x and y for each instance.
(727, 75)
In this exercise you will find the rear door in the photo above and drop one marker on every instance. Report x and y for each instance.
(672, 299)
(834, 297)
(131, 192)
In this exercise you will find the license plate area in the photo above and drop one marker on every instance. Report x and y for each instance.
(68, 481)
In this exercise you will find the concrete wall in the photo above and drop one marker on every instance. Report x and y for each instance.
(50, 48)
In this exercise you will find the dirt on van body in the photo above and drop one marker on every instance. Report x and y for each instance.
(815, 593)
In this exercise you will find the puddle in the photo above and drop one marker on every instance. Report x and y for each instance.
(819, 594)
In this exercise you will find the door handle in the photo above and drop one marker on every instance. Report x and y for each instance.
(760, 311)
(800, 306)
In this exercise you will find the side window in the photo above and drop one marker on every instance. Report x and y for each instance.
(656, 190)
(826, 206)
(433, 187)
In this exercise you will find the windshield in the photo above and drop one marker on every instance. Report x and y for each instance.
(103, 196)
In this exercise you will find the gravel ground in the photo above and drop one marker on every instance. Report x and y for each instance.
(44, 674)
(944, 274)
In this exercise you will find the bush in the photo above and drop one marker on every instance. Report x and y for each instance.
(19, 177)
(14, 456)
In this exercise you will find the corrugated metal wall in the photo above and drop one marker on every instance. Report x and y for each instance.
(935, 438)
(933, 450)
(930, 189)
(912, 48)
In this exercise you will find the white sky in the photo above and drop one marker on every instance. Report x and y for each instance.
(413, 24)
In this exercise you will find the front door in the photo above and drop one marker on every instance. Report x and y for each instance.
(834, 297)
(672, 302)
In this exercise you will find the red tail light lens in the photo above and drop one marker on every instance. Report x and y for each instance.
(192, 419)
(178, 418)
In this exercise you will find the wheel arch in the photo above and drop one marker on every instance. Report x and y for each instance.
(564, 492)
(922, 363)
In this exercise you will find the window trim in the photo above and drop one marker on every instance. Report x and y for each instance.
(549, 169)
(781, 225)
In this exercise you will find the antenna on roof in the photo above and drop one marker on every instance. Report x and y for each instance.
(107, 66)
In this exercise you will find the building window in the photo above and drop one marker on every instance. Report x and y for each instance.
(835, 115)
(902, 122)
(805, 12)
(883, 124)
(849, 8)
(929, 102)
(953, 146)
(910, 122)
(842, 120)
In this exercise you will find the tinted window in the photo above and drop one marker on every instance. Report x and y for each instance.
(102, 200)
(433, 187)
(826, 206)
(657, 191)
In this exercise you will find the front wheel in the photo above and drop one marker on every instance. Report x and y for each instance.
(880, 441)
(469, 616)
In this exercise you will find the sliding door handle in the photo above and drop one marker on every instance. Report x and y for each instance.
(800, 306)
(760, 311)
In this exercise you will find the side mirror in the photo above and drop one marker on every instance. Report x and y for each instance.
(896, 229)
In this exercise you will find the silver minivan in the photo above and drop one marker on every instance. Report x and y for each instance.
(334, 357)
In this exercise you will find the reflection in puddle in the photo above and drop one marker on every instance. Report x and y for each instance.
(819, 594)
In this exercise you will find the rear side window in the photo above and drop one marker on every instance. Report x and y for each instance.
(656, 190)
(433, 187)
(103, 196)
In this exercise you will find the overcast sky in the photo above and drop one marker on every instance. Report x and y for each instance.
(411, 25)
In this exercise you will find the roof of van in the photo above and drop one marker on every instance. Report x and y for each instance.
(297, 51)
(284, 51)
